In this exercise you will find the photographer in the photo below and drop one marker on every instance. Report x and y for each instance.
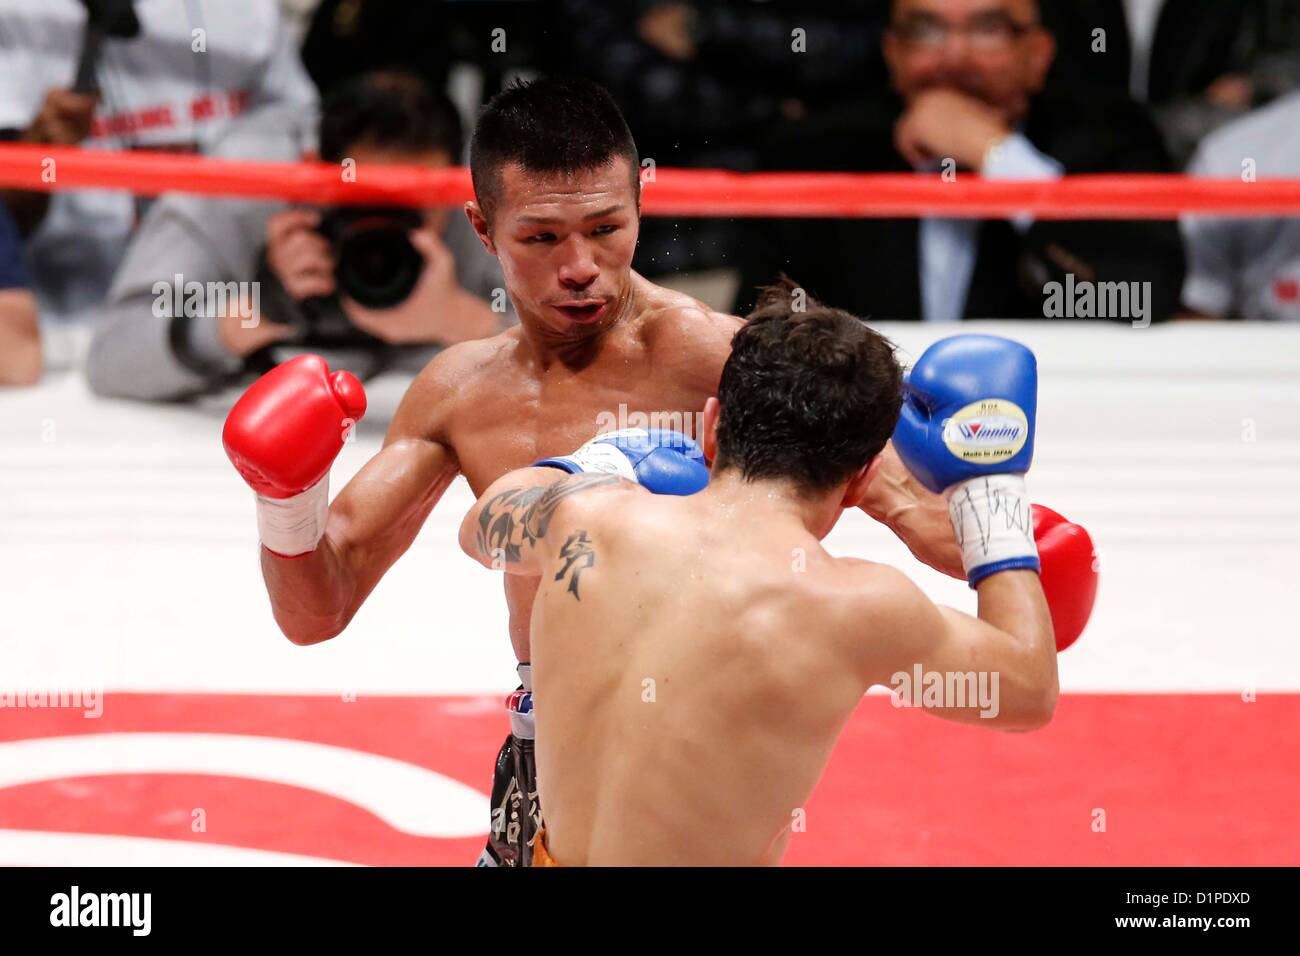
(374, 289)
(118, 75)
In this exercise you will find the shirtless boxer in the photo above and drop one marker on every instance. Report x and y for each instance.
(695, 658)
(557, 201)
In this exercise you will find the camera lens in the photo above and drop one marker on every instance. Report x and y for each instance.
(375, 263)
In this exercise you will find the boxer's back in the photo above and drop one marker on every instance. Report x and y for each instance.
(689, 695)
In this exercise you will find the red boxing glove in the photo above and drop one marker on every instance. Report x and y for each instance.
(1069, 573)
(282, 436)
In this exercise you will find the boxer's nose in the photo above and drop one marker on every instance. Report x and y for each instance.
(579, 269)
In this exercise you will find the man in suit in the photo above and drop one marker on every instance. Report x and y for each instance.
(1195, 64)
(969, 85)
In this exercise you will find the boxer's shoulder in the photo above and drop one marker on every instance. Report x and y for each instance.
(595, 493)
(596, 506)
(884, 618)
(872, 585)
(667, 313)
(455, 375)
(678, 326)
(868, 597)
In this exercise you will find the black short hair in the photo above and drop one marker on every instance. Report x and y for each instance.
(809, 394)
(550, 125)
(388, 108)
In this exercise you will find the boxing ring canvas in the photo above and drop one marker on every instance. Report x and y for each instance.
(190, 731)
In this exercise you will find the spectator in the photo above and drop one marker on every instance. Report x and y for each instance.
(20, 339)
(1247, 268)
(347, 38)
(970, 84)
(704, 84)
(176, 86)
(470, 47)
(1197, 63)
(62, 120)
(147, 349)
(1156, 51)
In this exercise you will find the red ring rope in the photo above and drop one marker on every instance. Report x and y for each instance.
(673, 192)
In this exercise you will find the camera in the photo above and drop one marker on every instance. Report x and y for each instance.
(374, 261)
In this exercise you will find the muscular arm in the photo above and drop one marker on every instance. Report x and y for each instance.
(510, 528)
(1010, 647)
(372, 522)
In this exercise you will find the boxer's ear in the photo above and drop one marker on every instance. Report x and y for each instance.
(859, 483)
(873, 468)
(709, 434)
(478, 222)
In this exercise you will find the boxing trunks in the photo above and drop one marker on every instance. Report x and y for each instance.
(541, 855)
(516, 812)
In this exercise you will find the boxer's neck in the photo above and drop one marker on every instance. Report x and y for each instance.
(780, 500)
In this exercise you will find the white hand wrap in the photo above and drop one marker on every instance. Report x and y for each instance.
(294, 526)
(993, 522)
(602, 455)
(602, 458)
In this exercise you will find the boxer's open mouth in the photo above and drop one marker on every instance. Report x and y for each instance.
(583, 311)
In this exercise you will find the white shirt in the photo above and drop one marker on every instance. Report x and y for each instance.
(1247, 268)
(949, 247)
(1143, 16)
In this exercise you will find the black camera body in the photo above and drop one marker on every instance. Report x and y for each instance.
(375, 263)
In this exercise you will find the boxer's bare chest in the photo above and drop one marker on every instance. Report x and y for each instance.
(511, 414)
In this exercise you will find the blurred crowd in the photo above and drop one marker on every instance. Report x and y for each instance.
(1013, 89)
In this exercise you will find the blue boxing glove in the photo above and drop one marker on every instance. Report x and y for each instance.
(966, 431)
(662, 461)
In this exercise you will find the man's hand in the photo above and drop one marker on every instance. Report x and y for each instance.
(918, 516)
(438, 310)
(299, 256)
(945, 124)
(20, 338)
(242, 336)
(666, 27)
(64, 118)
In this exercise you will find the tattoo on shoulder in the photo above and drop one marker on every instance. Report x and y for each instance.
(521, 516)
(578, 555)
